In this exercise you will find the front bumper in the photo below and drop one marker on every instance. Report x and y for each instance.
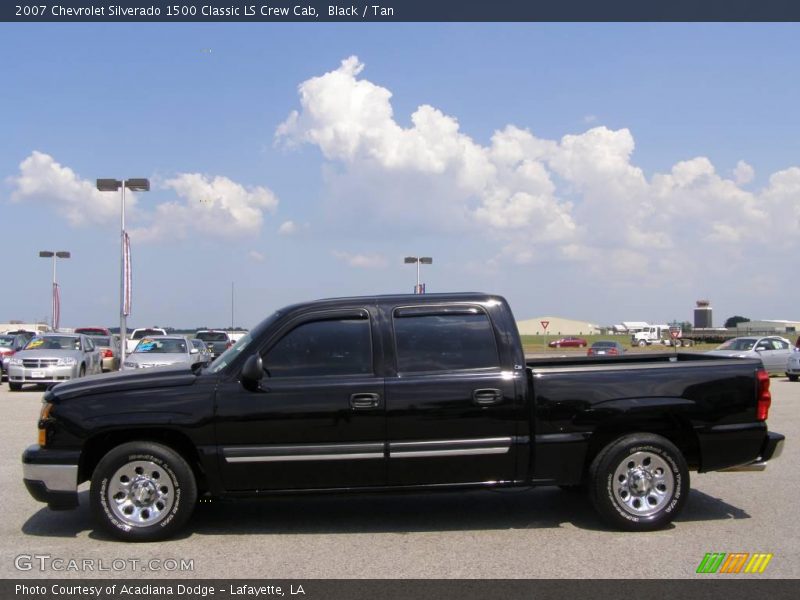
(51, 476)
(21, 374)
(771, 449)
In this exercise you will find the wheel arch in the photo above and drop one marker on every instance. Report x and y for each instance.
(674, 427)
(98, 446)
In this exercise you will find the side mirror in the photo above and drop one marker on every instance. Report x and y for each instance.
(253, 370)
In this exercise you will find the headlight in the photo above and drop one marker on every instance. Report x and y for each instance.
(66, 362)
(15, 361)
(130, 365)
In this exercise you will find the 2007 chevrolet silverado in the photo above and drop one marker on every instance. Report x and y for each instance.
(395, 393)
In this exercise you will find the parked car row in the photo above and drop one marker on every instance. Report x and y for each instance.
(49, 358)
(776, 353)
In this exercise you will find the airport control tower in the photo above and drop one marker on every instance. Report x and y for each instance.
(702, 315)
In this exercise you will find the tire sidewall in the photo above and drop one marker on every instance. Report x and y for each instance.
(177, 469)
(603, 485)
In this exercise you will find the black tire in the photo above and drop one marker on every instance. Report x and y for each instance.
(626, 488)
(165, 478)
(14, 387)
(82, 372)
(792, 377)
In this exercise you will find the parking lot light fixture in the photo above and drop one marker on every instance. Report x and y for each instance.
(418, 260)
(55, 293)
(135, 185)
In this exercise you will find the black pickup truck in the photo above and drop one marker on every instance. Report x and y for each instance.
(392, 393)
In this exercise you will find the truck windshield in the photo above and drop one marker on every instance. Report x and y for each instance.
(227, 357)
(738, 344)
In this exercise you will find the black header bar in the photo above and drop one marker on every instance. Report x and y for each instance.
(382, 11)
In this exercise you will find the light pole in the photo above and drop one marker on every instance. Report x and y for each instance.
(56, 312)
(135, 185)
(419, 260)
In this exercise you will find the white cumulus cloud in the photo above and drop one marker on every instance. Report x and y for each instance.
(214, 206)
(361, 261)
(43, 180)
(575, 198)
(287, 228)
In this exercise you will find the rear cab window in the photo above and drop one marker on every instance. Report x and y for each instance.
(434, 338)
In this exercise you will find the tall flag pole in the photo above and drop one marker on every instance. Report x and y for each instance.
(56, 306)
(126, 307)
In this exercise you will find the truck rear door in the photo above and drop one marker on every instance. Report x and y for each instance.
(450, 403)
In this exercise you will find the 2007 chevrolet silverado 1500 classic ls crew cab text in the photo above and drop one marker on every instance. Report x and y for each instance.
(396, 393)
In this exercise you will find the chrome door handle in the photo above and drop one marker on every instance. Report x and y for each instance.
(486, 396)
(364, 401)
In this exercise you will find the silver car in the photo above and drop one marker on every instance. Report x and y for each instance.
(773, 351)
(202, 349)
(793, 366)
(52, 358)
(163, 351)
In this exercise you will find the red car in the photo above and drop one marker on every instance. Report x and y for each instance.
(569, 342)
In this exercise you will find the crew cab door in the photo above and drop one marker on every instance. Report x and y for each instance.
(317, 420)
(451, 406)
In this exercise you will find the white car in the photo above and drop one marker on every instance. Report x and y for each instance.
(773, 351)
(137, 334)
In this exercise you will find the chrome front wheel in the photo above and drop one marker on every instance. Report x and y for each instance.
(141, 493)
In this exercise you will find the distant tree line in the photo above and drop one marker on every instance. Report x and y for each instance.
(732, 322)
(180, 330)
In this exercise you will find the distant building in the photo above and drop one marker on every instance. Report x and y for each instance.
(631, 326)
(556, 326)
(772, 326)
(703, 317)
(35, 327)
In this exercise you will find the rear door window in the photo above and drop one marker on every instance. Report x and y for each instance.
(429, 341)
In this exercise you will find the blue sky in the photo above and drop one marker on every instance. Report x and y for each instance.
(602, 172)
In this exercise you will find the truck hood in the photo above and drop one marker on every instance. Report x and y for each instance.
(122, 381)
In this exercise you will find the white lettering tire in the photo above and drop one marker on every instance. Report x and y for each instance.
(142, 492)
(639, 482)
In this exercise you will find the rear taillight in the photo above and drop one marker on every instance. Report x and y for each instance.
(764, 398)
(613, 351)
(108, 354)
(228, 345)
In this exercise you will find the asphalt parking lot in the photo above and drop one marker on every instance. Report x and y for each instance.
(542, 532)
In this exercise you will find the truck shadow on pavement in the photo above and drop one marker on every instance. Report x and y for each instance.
(537, 508)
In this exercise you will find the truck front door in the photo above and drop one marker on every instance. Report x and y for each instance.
(317, 419)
